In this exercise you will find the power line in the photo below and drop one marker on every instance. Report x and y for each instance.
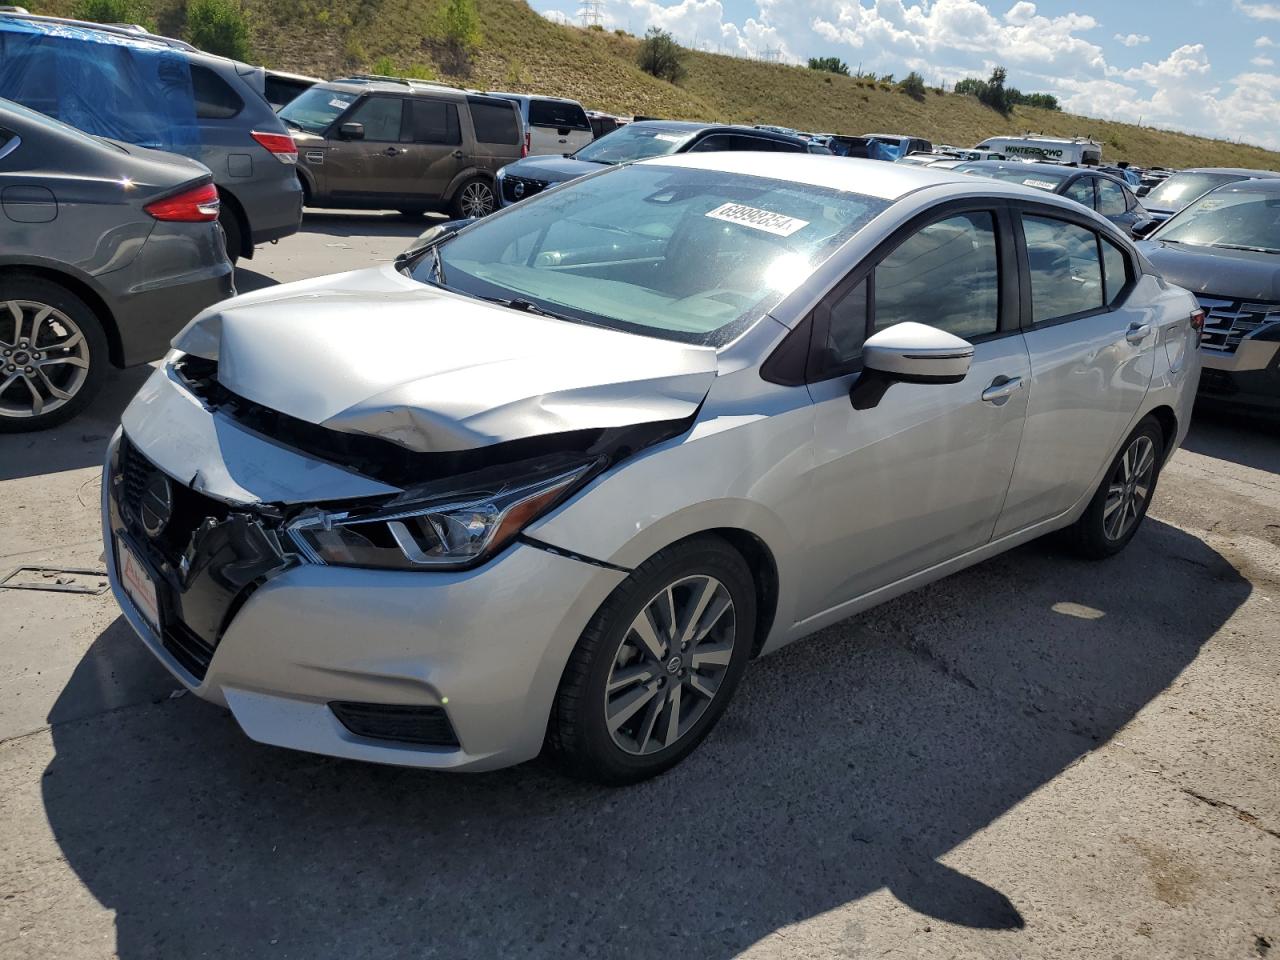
(592, 13)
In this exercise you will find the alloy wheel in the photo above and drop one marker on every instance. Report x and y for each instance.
(477, 199)
(670, 665)
(44, 359)
(1129, 488)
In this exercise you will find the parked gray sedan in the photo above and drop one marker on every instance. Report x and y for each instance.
(624, 437)
(106, 250)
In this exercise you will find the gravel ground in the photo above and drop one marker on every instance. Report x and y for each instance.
(1038, 757)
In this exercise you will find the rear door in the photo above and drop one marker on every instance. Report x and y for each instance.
(378, 167)
(433, 142)
(921, 476)
(1092, 357)
(557, 126)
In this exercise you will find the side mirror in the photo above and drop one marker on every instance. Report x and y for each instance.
(909, 353)
(351, 131)
(1144, 227)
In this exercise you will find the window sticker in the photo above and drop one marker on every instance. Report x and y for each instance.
(668, 137)
(776, 223)
(340, 104)
(1042, 184)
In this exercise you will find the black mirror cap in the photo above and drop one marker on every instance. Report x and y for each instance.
(351, 131)
(1144, 228)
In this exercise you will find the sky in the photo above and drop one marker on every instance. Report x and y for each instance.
(1203, 66)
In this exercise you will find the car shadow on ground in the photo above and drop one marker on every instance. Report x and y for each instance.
(1236, 437)
(367, 223)
(81, 442)
(848, 763)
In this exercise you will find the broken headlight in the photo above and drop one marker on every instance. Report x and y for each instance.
(459, 524)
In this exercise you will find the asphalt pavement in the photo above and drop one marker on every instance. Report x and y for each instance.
(1038, 757)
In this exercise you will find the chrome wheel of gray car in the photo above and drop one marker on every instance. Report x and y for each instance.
(1130, 488)
(476, 199)
(670, 665)
(44, 359)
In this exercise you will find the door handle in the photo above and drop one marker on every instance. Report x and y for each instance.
(458, 154)
(392, 151)
(1137, 332)
(1001, 389)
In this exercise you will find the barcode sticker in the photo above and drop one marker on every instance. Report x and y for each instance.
(766, 220)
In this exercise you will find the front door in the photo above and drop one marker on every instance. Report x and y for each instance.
(378, 167)
(1091, 364)
(920, 477)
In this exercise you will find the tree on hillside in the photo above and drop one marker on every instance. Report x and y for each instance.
(912, 85)
(830, 65)
(459, 28)
(661, 56)
(219, 26)
(995, 95)
(113, 11)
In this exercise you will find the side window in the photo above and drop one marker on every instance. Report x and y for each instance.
(1066, 277)
(553, 113)
(381, 118)
(848, 327)
(494, 120)
(1115, 270)
(215, 100)
(1081, 192)
(714, 143)
(1111, 201)
(947, 275)
(434, 121)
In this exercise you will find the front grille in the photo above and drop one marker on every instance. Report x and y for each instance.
(187, 647)
(1230, 321)
(521, 188)
(404, 723)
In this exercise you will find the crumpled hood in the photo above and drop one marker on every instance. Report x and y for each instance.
(552, 169)
(374, 352)
(1233, 274)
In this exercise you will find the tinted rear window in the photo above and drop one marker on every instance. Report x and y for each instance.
(495, 122)
(554, 113)
(215, 100)
(435, 121)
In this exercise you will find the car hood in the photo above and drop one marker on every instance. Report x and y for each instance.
(374, 352)
(1235, 274)
(551, 169)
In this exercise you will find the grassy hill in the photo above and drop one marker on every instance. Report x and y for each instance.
(522, 50)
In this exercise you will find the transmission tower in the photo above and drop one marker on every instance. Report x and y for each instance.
(592, 13)
(771, 54)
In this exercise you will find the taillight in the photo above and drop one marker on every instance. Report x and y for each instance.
(1197, 321)
(280, 145)
(196, 205)
(524, 151)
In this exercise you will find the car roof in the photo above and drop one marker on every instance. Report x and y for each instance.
(115, 29)
(362, 85)
(1251, 185)
(529, 96)
(1242, 171)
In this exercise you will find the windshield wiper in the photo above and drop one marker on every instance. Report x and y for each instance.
(524, 306)
(436, 265)
(1241, 246)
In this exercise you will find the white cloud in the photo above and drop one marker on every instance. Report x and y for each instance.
(1259, 11)
(1264, 42)
(1132, 39)
(1263, 62)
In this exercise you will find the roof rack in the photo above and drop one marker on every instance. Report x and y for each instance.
(407, 81)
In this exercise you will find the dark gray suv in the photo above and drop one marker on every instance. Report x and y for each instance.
(155, 94)
(106, 251)
(382, 143)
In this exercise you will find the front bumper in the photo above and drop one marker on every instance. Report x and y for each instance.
(487, 645)
(1247, 378)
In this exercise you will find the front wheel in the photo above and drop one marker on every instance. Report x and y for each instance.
(656, 666)
(475, 198)
(1121, 501)
(53, 354)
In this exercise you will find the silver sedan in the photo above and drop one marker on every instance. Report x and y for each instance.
(553, 479)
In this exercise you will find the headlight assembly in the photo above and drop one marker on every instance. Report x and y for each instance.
(437, 527)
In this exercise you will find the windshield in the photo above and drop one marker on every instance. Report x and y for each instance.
(689, 255)
(315, 109)
(1234, 219)
(1180, 189)
(634, 142)
(1029, 175)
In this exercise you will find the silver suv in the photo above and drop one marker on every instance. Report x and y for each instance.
(384, 143)
(552, 125)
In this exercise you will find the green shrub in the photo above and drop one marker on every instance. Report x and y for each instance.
(459, 26)
(912, 85)
(354, 53)
(219, 26)
(113, 11)
(661, 56)
(384, 66)
(596, 27)
(830, 65)
(420, 71)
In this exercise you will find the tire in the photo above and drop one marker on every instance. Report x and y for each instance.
(644, 743)
(231, 233)
(470, 200)
(1097, 534)
(68, 357)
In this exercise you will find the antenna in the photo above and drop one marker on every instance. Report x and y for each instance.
(592, 13)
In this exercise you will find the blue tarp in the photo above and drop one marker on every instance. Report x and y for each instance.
(878, 150)
(127, 89)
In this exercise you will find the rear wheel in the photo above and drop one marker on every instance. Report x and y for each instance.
(1121, 501)
(656, 666)
(53, 354)
(475, 198)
